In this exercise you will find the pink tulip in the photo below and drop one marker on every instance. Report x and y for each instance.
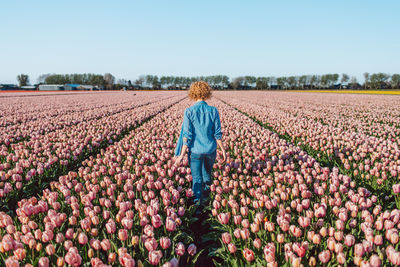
(257, 243)
(237, 219)
(324, 256)
(105, 244)
(180, 249)
(156, 221)
(232, 248)
(223, 218)
(50, 250)
(127, 223)
(82, 238)
(375, 261)
(244, 211)
(349, 240)
(110, 226)
(396, 188)
(248, 254)
(226, 238)
(378, 240)
(11, 262)
(192, 249)
(170, 224)
(320, 212)
(44, 262)
(155, 257)
(244, 233)
(151, 244)
(20, 254)
(359, 250)
(165, 242)
(172, 263)
(122, 234)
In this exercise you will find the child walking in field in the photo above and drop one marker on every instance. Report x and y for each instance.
(200, 136)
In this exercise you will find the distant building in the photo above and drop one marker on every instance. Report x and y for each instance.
(28, 87)
(71, 86)
(74, 86)
(4, 87)
(85, 87)
(51, 87)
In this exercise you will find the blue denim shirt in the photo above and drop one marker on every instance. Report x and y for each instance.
(201, 128)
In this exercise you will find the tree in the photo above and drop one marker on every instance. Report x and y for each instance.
(23, 79)
(249, 80)
(366, 79)
(313, 81)
(109, 80)
(334, 78)
(225, 81)
(395, 81)
(345, 79)
(378, 80)
(163, 81)
(353, 82)
(140, 81)
(218, 80)
(42, 78)
(156, 83)
(303, 81)
(122, 82)
(96, 79)
(237, 82)
(324, 80)
(292, 81)
(56, 79)
(261, 83)
(280, 82)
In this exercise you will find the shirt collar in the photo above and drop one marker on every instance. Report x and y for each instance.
(201, 102)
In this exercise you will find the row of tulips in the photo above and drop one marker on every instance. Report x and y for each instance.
(29, 117)
(127, 206)
(30, 165)
(272, 204)
(372, 161)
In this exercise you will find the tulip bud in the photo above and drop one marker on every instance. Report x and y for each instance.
(90, 253)
(312, 261)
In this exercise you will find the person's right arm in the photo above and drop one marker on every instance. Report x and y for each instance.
(218, 134)
(187, 129)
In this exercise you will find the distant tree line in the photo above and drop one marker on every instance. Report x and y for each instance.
(107, 80)
(325, 81)
(180, 82)
(373, 81)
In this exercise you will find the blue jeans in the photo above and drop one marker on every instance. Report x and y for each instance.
(201, 166)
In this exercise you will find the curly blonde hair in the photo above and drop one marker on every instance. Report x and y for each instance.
(200, 90)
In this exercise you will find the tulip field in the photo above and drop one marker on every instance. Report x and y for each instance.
(88, 179)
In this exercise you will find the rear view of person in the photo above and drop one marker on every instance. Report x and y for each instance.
(200, 136)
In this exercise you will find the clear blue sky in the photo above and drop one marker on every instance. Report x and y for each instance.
(190, 38)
